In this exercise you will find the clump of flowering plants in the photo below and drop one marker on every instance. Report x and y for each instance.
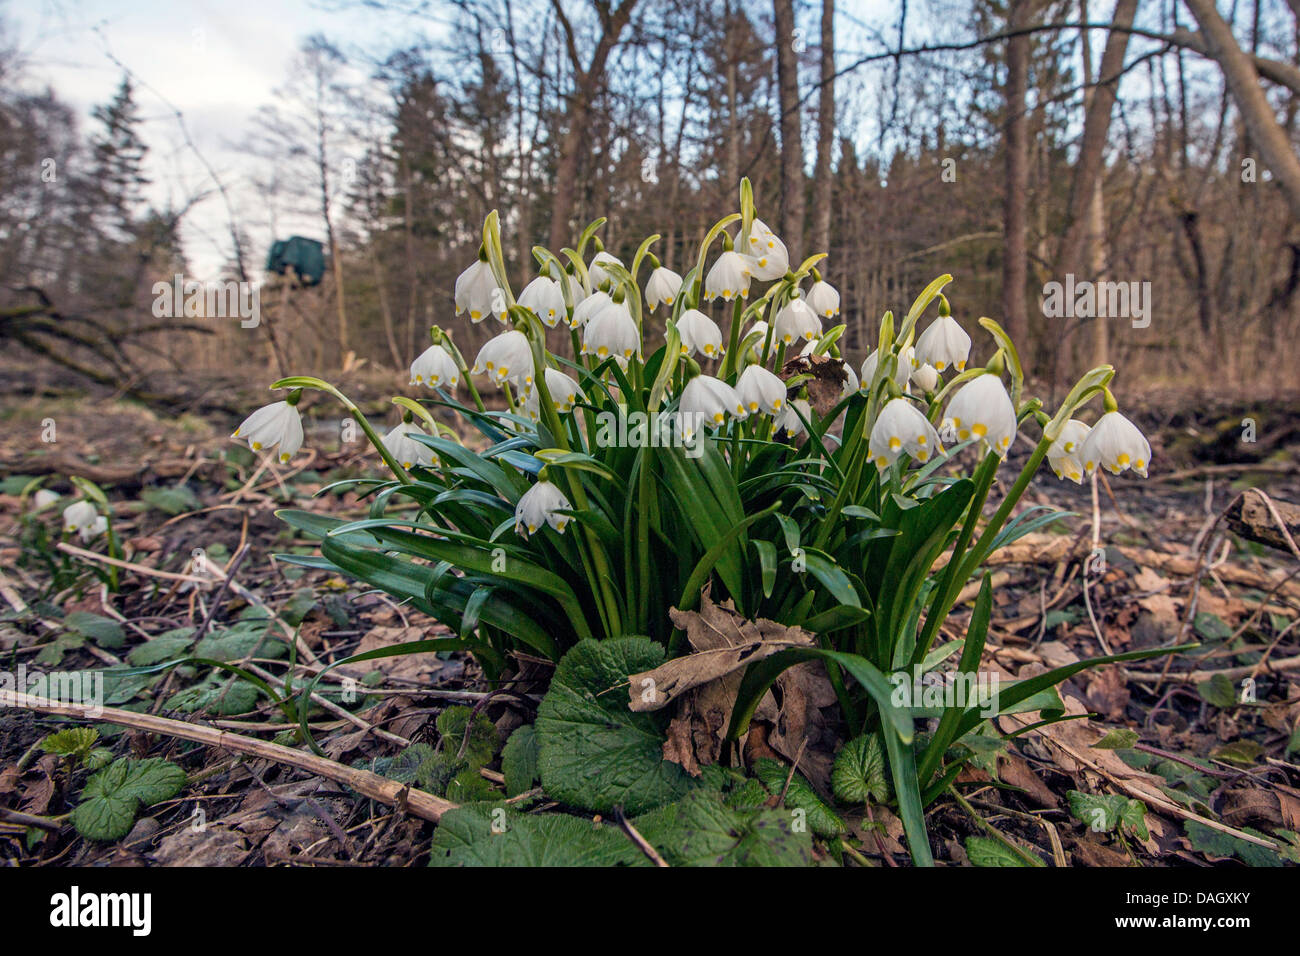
(653, 463)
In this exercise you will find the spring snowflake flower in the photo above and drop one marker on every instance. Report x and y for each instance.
(768, 255)
(728, 278)
(589, 308)
(1115, 444)
(43, 498)
(756, 349)
(276, 424)
(711, 401)
(612, 331)
(851, 384)
(944, 345)
(983, 408)
(796, 322)
(79, 516)
(596, 272)
(545, 296)
(1063, 455)
(823, 299)
(699, 333)
(435, 368)
(406, 450)
(564, 390)
(662, 286)
(478, 294)
(925, 377)
(541, 505)
(761, 390)
(506, 358)
(901, 374)
(901, 427)
(789, 421)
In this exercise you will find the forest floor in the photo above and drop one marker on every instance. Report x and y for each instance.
(1207, 740)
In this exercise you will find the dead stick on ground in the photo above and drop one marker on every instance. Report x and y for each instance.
(417, 802)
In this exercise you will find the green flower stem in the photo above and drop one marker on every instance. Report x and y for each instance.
(729, 362)
(307, 381)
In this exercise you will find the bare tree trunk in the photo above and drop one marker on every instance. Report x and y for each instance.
(1242, 80)
(1096, 226)
(787, 81)
(822, 183)
(1015, 206)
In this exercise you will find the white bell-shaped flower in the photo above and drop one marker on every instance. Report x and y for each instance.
(662, 286)
(406, 451)
(983, 408)
(901, 373)
(851, 383)
(761, 390)
(756, 349)
(596, 271)
(478, 294)
(506, 358)
(729, 277)
(612, 331)
(901, 427)
(545, 297)
(789, 421)
(769, 257)
(797, 322)
(540, 505)
(588, 308)
(564, 390)
(79, 516)
(1065, 454)
(1115, 444)
(435, 368)
(699, 334)
(944, 345)
(711, 401)
(925, 377)
(276, 424)
(43, 499)
(823, 299)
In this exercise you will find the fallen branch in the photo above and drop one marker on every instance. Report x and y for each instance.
(417, 802)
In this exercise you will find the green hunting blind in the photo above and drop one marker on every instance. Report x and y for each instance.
(305, 256)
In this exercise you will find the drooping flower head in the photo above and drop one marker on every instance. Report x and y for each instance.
(478, 294)
(596, 271)
(276, 424)
(1064, 454)
(708, 400)
(729, 277)
(406, 451)
(944, 345)
(539, 505)
(768, 255)
(1115, 444)
(699, 334)
(901, 427)
(435, 368)
(506, 358)
(612, 332)
(983, 408)
(823, 299)
(902, 372)
(797, 322)
(662, 286)
(761, 390)
(545, 297)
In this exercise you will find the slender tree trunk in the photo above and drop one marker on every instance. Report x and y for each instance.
(787, 81)
(1242, 80)
(823, 184)
(1015, 206)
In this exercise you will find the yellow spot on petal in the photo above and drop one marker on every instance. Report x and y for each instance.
(963, 434)
(718, 418)
(979, 429)
(894, 443)
(961, 366)
(257, 446)
(1122, 460)
(920, 439)
(475, 314)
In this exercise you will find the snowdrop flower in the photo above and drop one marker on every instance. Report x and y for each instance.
(925, 377)
(540, 505)
(506, 358)
(983, 408)
(823, 299)
(728, 278)
(662, 286)
(406, 450)
(596, 273)
(944, 344)
(79, 516)
(477, 293)
(276, 424)
(564, 390)
(711, 400)
(901, 427)
(789, 421)
(94, 529)
(1115, 444)
(699, 333)
(756, 349)
(761, 390)
(850, 381)
(588, 308)
(545, 296)
(796, 322)
(612, 331)
(901, 373)
(1064, 454)
(435, 367)
(769, 257)
(43, 499)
